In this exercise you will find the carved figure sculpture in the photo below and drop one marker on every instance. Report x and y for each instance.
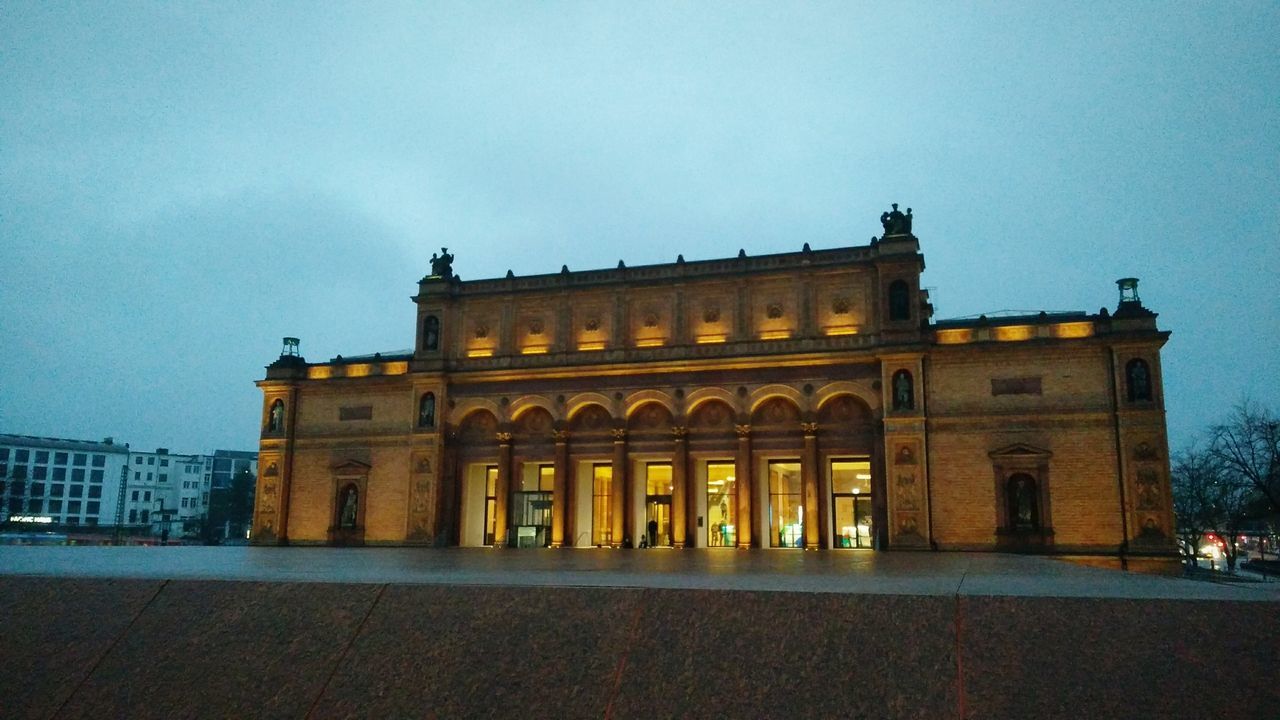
(896, 223)
(347, 520)
(442, 265)
(276, 421)
(903, 392)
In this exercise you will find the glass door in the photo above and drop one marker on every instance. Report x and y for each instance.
(531, 508)
(657, 503)
(722, 504)
(851, 503)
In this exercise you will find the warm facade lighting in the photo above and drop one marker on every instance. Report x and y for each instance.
(1073, 330)
(775, 335)
(363, 370)
(481, 353)
(709, 339)
(651, 342)
(395, 368)
(955, 337)
(834, 331)
(535, 350)
(319, 372)
(1014, 333)
(594, 345)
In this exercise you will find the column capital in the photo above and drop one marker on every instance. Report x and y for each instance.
(504, 438)
(742, 430)
(809, 428)
(619, 434)
(679, 432)
(560, 436)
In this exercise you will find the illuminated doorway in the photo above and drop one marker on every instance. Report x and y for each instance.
(851, 503)
(490, 502)
(722, 504)
(601, 504)
(786, 508)
(531, 508)
(657, 503)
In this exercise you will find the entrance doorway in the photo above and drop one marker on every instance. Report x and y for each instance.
(531, 509)
(657, 505)
(851, 503)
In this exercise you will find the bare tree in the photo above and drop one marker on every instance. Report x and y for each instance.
(1196, 472)
(1248, 445)
(1233, 503)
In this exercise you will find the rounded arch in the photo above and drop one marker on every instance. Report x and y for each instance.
(637, 399)
(702, 395)
(523, 404)
(714, 416)
(468, 407)
(776, 412)
(581, 400)
(651, 415)
(768, 392)
(831, 391)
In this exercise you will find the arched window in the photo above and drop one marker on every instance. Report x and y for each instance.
(1024, 504)
(348, 507)
(1138, 380)
(899, 300)
(275, 418)
(904, 393)
(431, 333)
(427, 411)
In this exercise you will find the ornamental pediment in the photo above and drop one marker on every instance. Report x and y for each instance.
(350, 467)
(1020, 451)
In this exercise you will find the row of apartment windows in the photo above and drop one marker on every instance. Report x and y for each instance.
(19, 488)
(42, 472)
(23, 455)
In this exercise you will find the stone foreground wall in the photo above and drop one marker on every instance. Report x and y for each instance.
(168, 649)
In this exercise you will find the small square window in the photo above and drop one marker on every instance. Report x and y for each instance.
(137, 475)
(79, 459)
(59, 474)
(146, 515)
(34, 505)
(92, 520)
(37, 489)
(73, 507)
(135, 496)
(164, 477)
(164, 462)
(137, 460)
(77, 475)
(56, 490)
(22, 456)
(92, 508)
(42, 456)
(55, 507)
(151, 461)
(95, 491)
(146, 496)
(99, 460)
(60, 458)
(4, 454)
(71, 520)
(77, 491)
(39, 472)
(95, 476)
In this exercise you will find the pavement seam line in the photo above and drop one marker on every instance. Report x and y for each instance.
(110, 649)
(337, 663)
(626, 652)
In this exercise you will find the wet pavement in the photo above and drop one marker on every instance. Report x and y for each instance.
(932, 574)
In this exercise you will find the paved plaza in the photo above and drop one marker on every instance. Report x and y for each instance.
(901, 573)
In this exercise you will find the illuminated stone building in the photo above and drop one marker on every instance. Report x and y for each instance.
(796, 400)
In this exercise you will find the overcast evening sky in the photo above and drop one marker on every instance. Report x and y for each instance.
(182, 184)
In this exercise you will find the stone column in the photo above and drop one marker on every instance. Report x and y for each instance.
(814, 526)
(502, 491)
(619, 488)
(742, 470)
(680, 507)
(560, 494)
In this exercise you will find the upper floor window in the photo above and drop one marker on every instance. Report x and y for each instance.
(1138, 380)
(899, 300)
(431, 333)
(427, 411)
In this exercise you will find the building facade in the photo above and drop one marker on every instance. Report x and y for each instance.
(796, 400)
(60, 483)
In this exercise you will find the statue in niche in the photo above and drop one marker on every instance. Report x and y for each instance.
(275, 422)
(1022, 502)
(427, 411)
(347, 518)
(442, 265)
(431, 333)
(896, 223)
(1139, 380)
(903, 392)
